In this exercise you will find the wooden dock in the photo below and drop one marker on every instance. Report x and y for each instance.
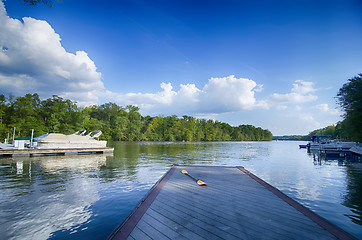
(55, 151)
(357, 150)
(235, 204)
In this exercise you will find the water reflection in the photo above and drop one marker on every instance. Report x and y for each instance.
(59, 164)
(86, 197)
(19, 167)
(134, 154)
(321, 159)
(353, 199)
(46, 194)
(352, 178)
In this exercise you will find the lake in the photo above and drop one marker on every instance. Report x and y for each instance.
(87, 196)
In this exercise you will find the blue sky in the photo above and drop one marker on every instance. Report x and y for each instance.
(273, 64)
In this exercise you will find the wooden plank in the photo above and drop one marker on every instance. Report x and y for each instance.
(253, 205)
(234, 205)
(266, 196)
(199, 220)
(152, 231)
(170, 223)
(337, 232)
(184, 220)
(197, 200)
(216, 225)
(223, 213)
(137, 233)
(251, 202)
(127, 226)
(131, 238)
(248, 220)
(164, 229)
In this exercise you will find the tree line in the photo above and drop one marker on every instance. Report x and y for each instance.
(116, 122)
(338, 131)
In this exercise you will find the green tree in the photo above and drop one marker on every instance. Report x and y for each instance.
(116, 122)
(350, 99)
(61, 115)
(134, 123)
(24, 114)
(210, 131)
(110, 118)
(90, 123)
(3, 109)
(172, 124)
(155, 130)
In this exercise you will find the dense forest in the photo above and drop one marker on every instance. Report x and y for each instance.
(116, 122)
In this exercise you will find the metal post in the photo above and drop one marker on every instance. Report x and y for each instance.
(14, 135)
(31, 139)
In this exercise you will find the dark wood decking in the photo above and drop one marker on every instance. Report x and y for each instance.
(234, 205)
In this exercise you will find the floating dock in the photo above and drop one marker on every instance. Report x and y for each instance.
(356, 153)
(235, 204)
(53, 151)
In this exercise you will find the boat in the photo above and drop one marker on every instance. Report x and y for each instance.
(318, 141)
(337, 145)
(330, 147)
(75, 140)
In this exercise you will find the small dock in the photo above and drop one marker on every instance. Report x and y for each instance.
(235, 204)
(356, 152)
(53, 151)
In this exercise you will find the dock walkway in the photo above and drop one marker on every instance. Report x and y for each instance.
(356, 150)
(9, 152)
(235, 204)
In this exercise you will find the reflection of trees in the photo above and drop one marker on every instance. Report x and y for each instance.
(316, 156)
(321, 159)
(129, 156)
(353, 199)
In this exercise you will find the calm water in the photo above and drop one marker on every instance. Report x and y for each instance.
(87, 196)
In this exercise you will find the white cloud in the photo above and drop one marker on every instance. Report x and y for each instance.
(306, 120)
(218, 95)
(228, 94)
(300, 93)
(302, 87)
(292, 98)
(281, 107)
(32, 59)
(325, 108)
(259, 88)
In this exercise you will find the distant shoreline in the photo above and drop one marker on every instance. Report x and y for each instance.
(292, 138)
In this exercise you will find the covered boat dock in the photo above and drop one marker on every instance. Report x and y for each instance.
(235, 204)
